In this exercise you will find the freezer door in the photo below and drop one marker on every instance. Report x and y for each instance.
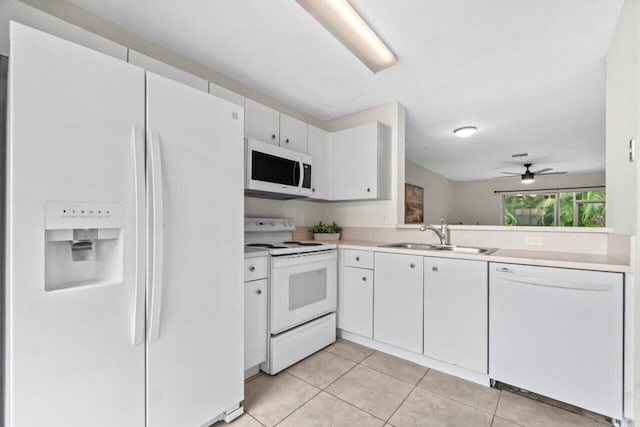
(196, 220)
(75, 117)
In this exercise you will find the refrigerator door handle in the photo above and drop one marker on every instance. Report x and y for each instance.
(157, 224)
(137, 139)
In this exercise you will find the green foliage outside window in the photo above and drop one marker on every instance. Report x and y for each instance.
(563, 208)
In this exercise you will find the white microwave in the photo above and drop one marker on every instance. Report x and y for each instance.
(275, 172)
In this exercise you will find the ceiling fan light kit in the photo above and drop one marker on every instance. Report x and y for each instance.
(529, 176)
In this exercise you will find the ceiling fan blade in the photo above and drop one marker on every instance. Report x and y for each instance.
(510, 176)
(511, 173)
(551, 173)
(543, 170)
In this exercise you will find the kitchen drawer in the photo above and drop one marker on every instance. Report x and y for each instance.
(255, 268)
(355, 258)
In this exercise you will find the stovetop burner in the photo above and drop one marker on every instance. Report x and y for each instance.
(309, 244)
(260, 245)
(291, 242)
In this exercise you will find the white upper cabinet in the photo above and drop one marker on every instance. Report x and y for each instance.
(293, 134)
(397, 308)
(361, 162)
(166, 70)
(261, 122)
(319, 149)
(456, 327)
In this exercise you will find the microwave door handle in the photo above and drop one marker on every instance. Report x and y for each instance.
(301, 174)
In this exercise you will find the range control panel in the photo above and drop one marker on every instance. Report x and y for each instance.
(71, 215)
(269, 224)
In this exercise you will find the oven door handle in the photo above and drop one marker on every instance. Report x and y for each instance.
(314, 258)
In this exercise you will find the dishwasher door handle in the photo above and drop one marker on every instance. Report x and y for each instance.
(535, 281)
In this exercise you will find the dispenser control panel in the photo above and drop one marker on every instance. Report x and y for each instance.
(71, 215)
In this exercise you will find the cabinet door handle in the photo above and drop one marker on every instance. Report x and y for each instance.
(252, 268)
(368, 190)
(273, 136)
(286, 140)
(434, 268)
(259, 292)
(357, 258)
(364, 279)
(412, 265)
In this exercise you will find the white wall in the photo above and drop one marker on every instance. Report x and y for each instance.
(379, 212)
(623, 122)
(476, 203)
(438, 192)
(623, 116)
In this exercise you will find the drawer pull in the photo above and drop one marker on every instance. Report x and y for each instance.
(357, 258)
(412, 265)
(259, 292)
(364, 279)
(252, 268)
(504, 270)
(434, 268)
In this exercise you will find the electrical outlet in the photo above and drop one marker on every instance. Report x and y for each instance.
(533, 241)
(386, 220)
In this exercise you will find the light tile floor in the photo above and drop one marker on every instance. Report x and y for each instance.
(347, 384)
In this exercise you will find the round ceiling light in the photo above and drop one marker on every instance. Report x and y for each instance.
(465, 132)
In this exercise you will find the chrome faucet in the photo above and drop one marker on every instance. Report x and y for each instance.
(442, 232)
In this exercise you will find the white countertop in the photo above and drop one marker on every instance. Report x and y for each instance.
(511, 256)
(255, 252)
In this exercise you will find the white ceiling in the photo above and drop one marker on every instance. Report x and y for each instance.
(529, 73)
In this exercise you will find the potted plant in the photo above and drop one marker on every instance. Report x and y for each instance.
(322, 231)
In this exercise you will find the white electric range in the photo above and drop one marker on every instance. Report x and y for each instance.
(302, 291)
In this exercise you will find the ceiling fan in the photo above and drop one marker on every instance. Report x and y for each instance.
(529, 176)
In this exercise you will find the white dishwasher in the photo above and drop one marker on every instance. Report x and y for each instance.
(558, 332)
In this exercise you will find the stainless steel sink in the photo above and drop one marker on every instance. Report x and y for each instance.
(444, 248)
(416, 246)
(463, 249)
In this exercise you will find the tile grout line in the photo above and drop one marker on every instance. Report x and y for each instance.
(406, 397)
(255, 419)
(393, 376)
(326, 387)
(456, 400)
(345, 373)
(299, 407)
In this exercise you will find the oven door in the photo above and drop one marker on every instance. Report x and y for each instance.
(303, 287)
(274, 169)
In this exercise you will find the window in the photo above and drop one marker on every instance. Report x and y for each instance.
(582, 208)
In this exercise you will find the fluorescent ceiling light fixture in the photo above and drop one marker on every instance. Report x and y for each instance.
(341, 20)
(465, 132)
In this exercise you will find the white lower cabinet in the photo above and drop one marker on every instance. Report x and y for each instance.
(397, 313)
(356, 301)
(455, 312)
(255, 321)
(255, 311)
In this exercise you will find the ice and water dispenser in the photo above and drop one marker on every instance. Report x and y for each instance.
(83, 244)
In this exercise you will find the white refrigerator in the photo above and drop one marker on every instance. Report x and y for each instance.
(123, 299)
